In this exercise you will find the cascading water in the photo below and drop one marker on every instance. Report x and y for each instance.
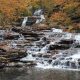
(24, 21)
(38, 12)
(13, 44)
(62, 59)
(21, 37)
(40, 19)
(38, 15)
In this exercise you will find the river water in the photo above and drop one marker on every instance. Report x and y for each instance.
(38, 74)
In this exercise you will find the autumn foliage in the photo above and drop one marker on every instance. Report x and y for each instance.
(67, 12)
(62, 12)
(60, 18)
(12, 9)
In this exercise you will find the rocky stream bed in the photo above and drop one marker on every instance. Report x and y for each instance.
(52, 48)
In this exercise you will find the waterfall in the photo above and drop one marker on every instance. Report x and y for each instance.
(40, 19)
(38, 12)
(60, 59)
(45, 49)
(24, 21)
(39, 15)
(28, 58)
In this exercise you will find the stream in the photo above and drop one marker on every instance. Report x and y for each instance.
(55, 49)
(50, 61)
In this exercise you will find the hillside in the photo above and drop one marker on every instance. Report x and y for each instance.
(64, 13)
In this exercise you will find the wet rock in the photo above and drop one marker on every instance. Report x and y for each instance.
(2, 65)
(37, 55)
(13, 64)
(49, 61)
(15, 57)
(69, 41)
(25, 31)
(73, 65)
(47, 55)
(2, 51)
(59, 47)
(18, 29)
(28, 62)
(40, 27)
(11, 36)
(33, 34)
(3, 61)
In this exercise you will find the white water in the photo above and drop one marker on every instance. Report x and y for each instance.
(57, 30)
(13, 44)
(77, 38)
(28, 58)
(38, 12)
(68, 36)
(39, 17)
(24, 21)
(61, 58)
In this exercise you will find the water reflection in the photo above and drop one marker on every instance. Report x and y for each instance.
(37, 74)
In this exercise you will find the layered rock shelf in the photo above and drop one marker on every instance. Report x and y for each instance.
(45, 49)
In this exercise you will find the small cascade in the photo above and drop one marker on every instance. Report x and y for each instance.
(13, 44)
(68, 36)
(28, 58)
(39, 15)
(21, 37)
(45, 49)
(57, 30)
(40, 19)
(77, 38)
(44, 65)
(24, 21)
(38, 12)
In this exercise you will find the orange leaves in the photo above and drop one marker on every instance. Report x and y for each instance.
(59, 2)
(60, 18)
(11, 7)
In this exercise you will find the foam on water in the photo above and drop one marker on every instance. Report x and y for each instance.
(28, 58)
(57, 30)
(44, 66)
(61, 57)
(77, 38)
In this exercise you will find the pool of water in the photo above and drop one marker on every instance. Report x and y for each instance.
(37, 74)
